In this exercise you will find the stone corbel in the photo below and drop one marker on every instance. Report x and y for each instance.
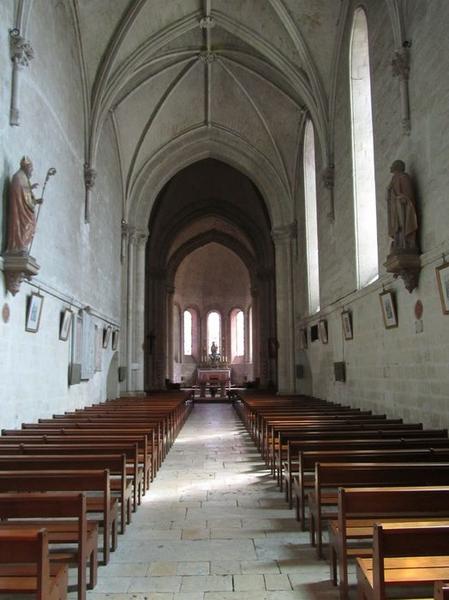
(401, 69)
(22, 54)
(328, 177)
(406, 265)
(18, 268)
(90, 175)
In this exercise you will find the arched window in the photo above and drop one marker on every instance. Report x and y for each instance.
(237, 333)
(214, 330)
(313, 274)
(188, 331)
(363, 153)
(250, 334)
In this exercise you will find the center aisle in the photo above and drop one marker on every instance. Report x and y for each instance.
(214, 526)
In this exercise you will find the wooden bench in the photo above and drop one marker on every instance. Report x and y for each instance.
(405, 555)
(64, 517)
(354, 432)
(25, 567)
(78, 481)
(305, 478)
(120, 484)
(441, 591)
(86, 438)
(358, 510)
(330, 476)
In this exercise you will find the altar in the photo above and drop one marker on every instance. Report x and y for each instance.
(214, 379)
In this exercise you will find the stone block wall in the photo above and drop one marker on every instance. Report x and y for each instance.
(395, 371)
(79, 262)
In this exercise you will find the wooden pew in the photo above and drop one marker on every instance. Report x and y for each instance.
(25, 567)
(86, 438)
(305, 479)
(441, 591)
(355, 432)
(51, 511)
(359, 508)
(322, 505)
(79, 481)
(115, 463)
(406, 555)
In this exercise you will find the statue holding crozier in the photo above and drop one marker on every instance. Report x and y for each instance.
(23, 214)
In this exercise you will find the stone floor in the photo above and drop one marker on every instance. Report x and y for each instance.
(213, 527)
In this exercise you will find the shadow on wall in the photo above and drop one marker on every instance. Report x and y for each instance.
(112, 385)
(4, 208)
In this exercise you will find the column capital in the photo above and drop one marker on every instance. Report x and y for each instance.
(328, 177)
(400, 63)
(284, 233)
(22, 52)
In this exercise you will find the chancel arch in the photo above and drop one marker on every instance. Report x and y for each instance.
(210, 246)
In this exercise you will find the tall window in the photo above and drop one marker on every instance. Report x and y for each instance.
(313, 275)
(237, 333)
(250, 334)
(188, 330)
(213, 330)
(363, 153)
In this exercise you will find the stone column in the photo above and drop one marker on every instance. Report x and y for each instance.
(21, 55)
(283, 238)
(137, 378)
(123, 352)
(130, 307)
(255, 328)
(401, 69)
(170, 332)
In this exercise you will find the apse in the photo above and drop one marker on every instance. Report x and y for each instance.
(212, 304)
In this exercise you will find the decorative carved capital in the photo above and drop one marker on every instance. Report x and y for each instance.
(21, 50)
(141, 237)
(207, 22)
(328, 177)
(208, 57)
(90, 175)
(285, 232)
(401, 64)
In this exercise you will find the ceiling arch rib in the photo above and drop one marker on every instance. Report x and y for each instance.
(263, 121)
(170, 90)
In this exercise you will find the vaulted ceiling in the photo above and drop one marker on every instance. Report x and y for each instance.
(246, 70)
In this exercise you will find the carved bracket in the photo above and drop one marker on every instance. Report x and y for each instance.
(22, 54)
(17, 269)
(405, 265)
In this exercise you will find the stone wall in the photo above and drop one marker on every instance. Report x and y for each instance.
(78, 261)
(397, 371)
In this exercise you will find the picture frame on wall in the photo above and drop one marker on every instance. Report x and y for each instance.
(323, 331)
(106, 336)
(389, 313)
(115, 336)
(442, 274)
(346, 323)
(65, 325)
(34, 311)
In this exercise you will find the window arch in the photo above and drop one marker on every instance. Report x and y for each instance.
(313, 274)
(237, 333)
(214, 330)
(363, 153)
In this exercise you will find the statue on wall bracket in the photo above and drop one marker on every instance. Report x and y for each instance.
(403, 260)
(22, 220)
